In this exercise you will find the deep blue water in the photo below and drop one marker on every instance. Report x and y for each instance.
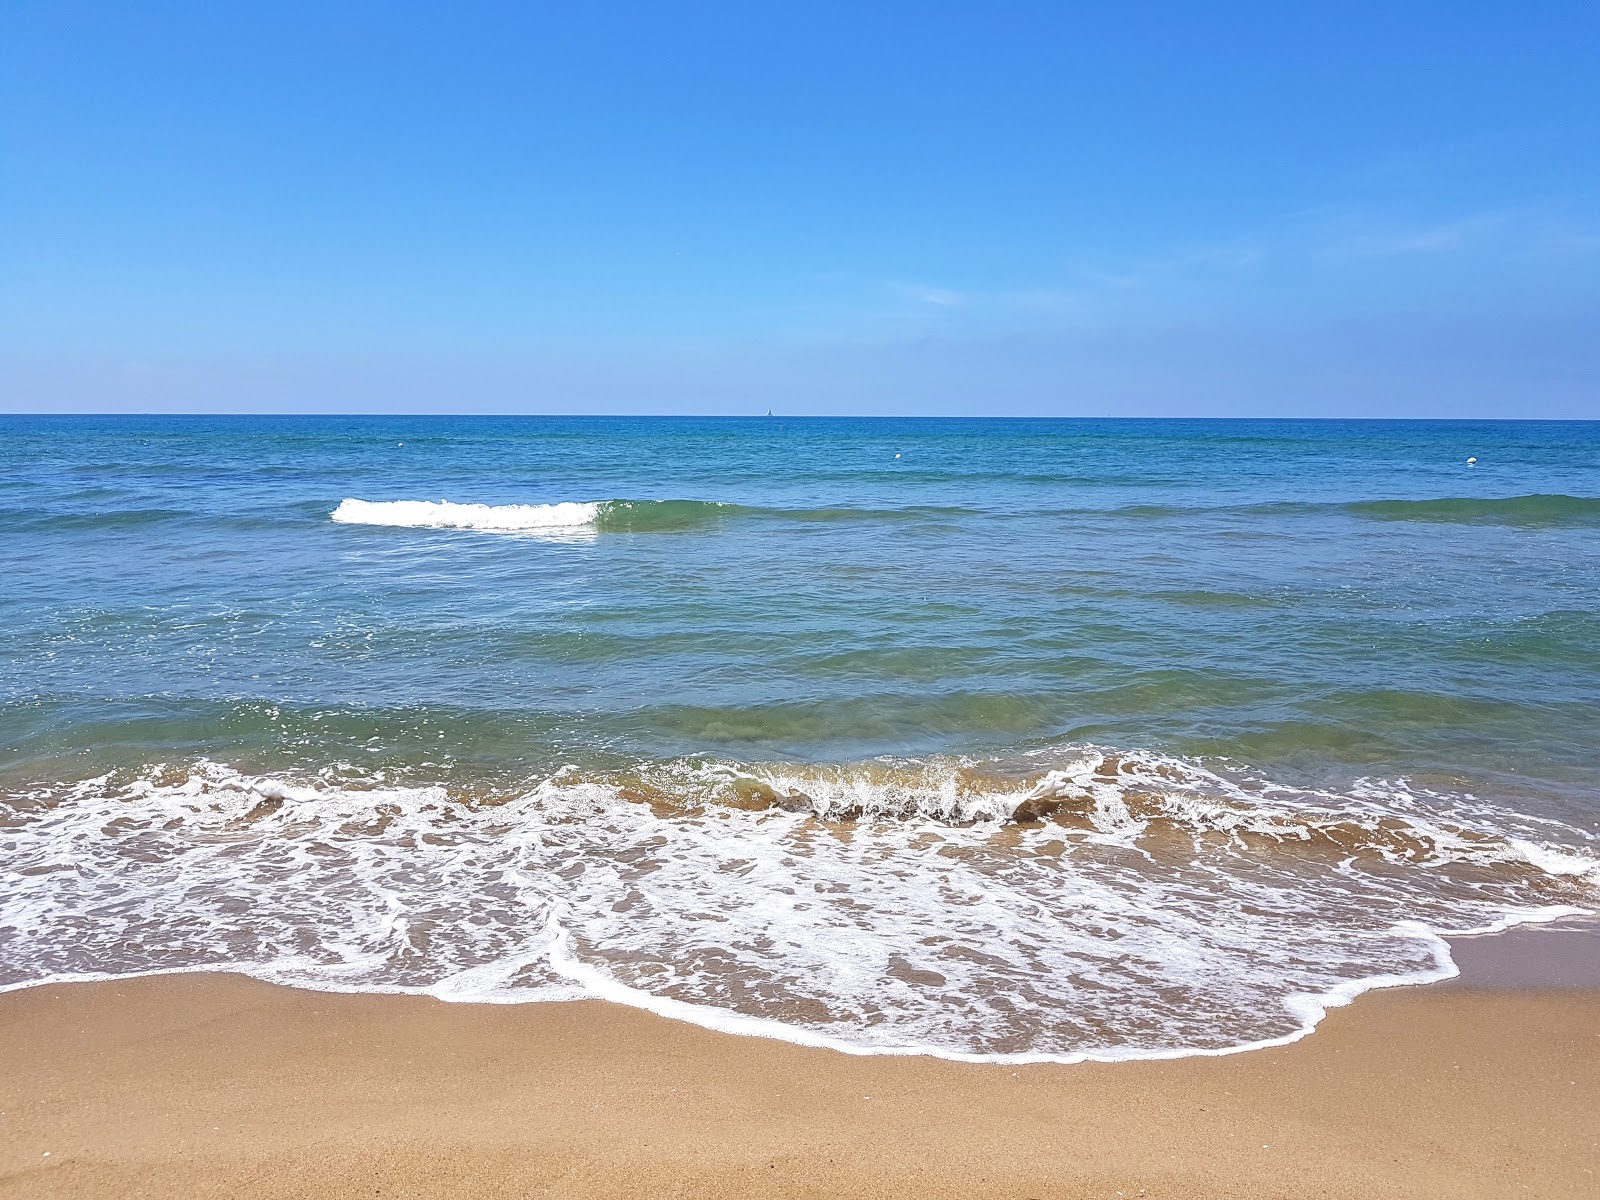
(1309, 605)
(1232, 587)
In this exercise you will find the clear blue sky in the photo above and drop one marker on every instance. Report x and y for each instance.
(1030, 208)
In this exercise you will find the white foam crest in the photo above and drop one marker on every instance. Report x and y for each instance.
(1554, 860)
(1386, 818)
(1381, 818)
(923, 924)
(934, 790)
(563, 518)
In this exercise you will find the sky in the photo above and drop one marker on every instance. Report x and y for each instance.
(1030, 209)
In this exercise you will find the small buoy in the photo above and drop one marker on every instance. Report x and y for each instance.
(1472, 462)
(399, 443)
(897, 456)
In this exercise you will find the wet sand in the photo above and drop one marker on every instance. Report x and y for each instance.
(216, 1085)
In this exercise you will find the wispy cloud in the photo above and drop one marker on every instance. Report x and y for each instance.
(939, 297)
(1332, 262)
(1396, 241)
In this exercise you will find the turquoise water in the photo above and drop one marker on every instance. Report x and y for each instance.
(1167, 733)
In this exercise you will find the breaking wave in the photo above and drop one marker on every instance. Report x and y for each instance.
(1541, 510)
(662, 516)
(1074, 903)
(1508, 510)
(442, 514)
(599, 516)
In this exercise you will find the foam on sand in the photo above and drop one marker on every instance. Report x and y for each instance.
(1074, 904)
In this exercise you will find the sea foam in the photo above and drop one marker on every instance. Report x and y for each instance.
(442, 514)
(1070, 905)
(609, 516)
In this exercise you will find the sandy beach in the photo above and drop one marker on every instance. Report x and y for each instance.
(799, 601)
(217, 1085)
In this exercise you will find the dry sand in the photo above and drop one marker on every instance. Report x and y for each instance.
(216, 1085)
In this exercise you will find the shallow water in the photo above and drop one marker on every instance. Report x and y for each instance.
(1028, 738)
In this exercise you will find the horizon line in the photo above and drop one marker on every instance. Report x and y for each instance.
(774, 416)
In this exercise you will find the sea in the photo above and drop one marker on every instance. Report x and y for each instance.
(999, 740)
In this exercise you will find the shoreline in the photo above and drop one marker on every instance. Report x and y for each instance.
(1522, 956)
(215, 1084)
